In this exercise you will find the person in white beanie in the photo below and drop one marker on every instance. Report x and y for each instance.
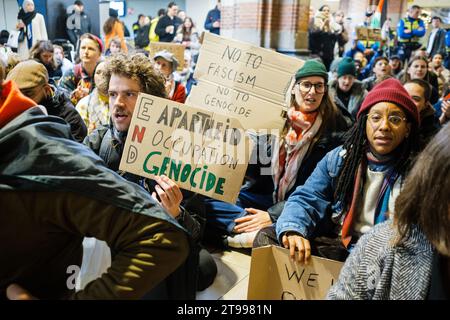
(31, 26)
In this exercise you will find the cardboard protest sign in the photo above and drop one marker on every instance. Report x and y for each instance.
(200, 150)
(365, 34)
(251, 111)
(175, 48)
(247, 68)
(273, 276)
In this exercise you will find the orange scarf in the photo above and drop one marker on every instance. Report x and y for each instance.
(12, 102)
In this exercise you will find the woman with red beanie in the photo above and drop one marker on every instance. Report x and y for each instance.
(354, 186)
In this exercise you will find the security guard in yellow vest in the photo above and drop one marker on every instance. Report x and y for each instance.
(409, 31)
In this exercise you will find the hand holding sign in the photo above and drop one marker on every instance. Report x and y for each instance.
(170, 195)
(293, 242)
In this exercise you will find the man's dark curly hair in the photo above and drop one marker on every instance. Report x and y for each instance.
(137, 67)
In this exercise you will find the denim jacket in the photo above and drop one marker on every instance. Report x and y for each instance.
(309, 204)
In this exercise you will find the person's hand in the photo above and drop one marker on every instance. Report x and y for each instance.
(445, 108)
(20, 25)
(79, 93)
(170, 195)
(255, 220)
(186, 44)
(16, 292)
(170, 29)
(295, 241)
(216, 24)
(407, 31)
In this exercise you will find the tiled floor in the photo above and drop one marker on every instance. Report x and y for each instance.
(233, 268)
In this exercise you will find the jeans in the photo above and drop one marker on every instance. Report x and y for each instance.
(221, 215)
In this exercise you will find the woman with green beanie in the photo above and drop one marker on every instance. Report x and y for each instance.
(314, 126)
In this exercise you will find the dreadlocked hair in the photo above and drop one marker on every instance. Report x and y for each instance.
(356, 146)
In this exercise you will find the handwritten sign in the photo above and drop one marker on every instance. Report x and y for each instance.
(273, 276)
(251, 111)
(175, 48)
(242, 66)
(200, 150)
(368, 34)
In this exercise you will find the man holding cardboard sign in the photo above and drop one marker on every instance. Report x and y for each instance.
(127, 77)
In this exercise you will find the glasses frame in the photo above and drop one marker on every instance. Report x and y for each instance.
(298, 84)
(384, 117)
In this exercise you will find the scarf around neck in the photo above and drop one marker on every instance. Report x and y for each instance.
(293, 148)
(377, 163)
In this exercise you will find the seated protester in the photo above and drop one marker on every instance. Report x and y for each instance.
(42, 51)
(442, 107)
(347, 92)
(407, 258)
(126, 76)
(314, 126)
(114, 46)
(354, 186)
(332, 74)
(94, 108)
(443, 74)
(420, 91)
(31, 78)
(186, 76)
(166, 63)
(62, 63)
(78, 82)
(396, 65)
(418, 69)
(54, 192)
(380, 70)
(360, 64)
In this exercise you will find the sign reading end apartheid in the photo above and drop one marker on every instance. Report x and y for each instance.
(175, 48)
(200, 150)
(273, 276)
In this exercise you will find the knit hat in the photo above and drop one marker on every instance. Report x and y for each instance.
(168, 56)
(346, 66)
(28, 74)
(312, 68)
(99, 41)
(25, 2)
(390, 90)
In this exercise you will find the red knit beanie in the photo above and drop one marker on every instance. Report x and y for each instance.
(390, 90)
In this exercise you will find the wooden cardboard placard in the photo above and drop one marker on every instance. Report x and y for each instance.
(175, 48)
(273, 276)
(252, 112)
(257, 71)
(368, 34)
(200, 150)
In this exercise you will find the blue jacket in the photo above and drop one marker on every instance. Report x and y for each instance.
(309, 203)
(213, 16)
(415, 32)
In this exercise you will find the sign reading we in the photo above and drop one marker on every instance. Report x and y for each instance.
(273, 276)
(200, 150)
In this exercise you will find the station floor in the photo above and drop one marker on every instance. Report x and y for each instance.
(233, 269)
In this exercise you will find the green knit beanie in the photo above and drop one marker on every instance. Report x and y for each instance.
(346, 66)
(312, 68)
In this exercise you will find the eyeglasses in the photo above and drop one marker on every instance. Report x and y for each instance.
(375, 119)
(306, 86)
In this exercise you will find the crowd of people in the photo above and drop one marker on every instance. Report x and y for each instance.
(359, 172)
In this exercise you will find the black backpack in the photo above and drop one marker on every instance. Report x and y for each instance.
(142, 37)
